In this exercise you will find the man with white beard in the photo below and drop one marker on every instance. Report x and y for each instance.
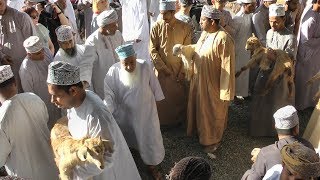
(100, 47)
(73, 53)
(131, 91)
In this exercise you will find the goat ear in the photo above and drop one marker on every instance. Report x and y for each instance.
(108, 145)
(82, 153)
(253, 35)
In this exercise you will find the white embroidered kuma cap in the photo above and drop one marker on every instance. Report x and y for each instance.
(33, 44)
(63, 73)
(286, 117)
(276, 10)
(5, 73)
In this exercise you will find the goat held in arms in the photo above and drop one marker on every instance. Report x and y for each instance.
(71, 152)
(284, 65)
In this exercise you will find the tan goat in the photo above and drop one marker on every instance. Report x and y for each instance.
(70, 152)
(284, 65)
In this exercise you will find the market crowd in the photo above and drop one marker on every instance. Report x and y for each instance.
(120, 70)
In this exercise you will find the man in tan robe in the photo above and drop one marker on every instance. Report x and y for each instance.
(164, 35)
(212, 85)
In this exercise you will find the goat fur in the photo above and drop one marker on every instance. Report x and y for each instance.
(284, 65)
(70, 152)
(311, 81)
(186, 54)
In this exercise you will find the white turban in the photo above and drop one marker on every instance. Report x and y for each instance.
(33, 44)
(276, 10)
(210, 12)
(64, 33)
(286, 117)
(5, 73)
(107, 17)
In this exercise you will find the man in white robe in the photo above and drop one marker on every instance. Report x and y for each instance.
(15, 27)
(153, 12)
(73, 53)
(100, 47)
(242, 30)
(131, 91)
(89, 117)
(33, 73)
(135, 26)
(24, 136)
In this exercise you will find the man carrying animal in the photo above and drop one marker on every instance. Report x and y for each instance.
(212, 84)
(128, 86)
(89, 117)
(281, 92)
(24, 135)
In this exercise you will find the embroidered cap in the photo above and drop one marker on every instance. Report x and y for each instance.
(210, 12)
(276, 10)
(167, 5)
(107, 17)
(64, 33)
(33, 44)
(125, 51)
(63, 73)
(286, 117)
(5, 73)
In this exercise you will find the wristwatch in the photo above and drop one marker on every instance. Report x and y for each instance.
(59, 13)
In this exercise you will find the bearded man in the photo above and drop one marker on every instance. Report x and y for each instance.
(130, 85)
(73, 53)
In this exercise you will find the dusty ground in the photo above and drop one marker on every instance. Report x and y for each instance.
(233, 156)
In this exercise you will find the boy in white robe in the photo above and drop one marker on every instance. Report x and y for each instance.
(33, 73)
(100, 47)
(24, 136)
(89, 117)
(131, 91)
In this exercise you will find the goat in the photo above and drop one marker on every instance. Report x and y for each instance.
(70, 152)
(284, 65)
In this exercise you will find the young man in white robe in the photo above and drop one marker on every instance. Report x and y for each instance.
(242, 29)
(15, 27)
(89, 117)
(135, 26)
(100, 47)
(131, 91)
(73, 53)
(33, 73)
(24, 136)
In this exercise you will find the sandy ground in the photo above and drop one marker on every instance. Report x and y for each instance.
(232, 157)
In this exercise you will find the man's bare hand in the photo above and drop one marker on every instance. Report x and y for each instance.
(271, 54)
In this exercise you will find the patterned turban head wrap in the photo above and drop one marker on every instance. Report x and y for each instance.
(107, 17)
(191, 168)
(167, 5)
(63, 73)
(210, 12)
(301, 159)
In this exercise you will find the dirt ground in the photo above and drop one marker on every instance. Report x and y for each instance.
(232, 157)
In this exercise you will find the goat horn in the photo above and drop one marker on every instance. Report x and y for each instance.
(253, 35)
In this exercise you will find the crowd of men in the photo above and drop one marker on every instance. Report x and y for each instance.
(122, 84)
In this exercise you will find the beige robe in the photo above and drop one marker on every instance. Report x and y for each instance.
(312, 132)
(212, 86)
(163, 37)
